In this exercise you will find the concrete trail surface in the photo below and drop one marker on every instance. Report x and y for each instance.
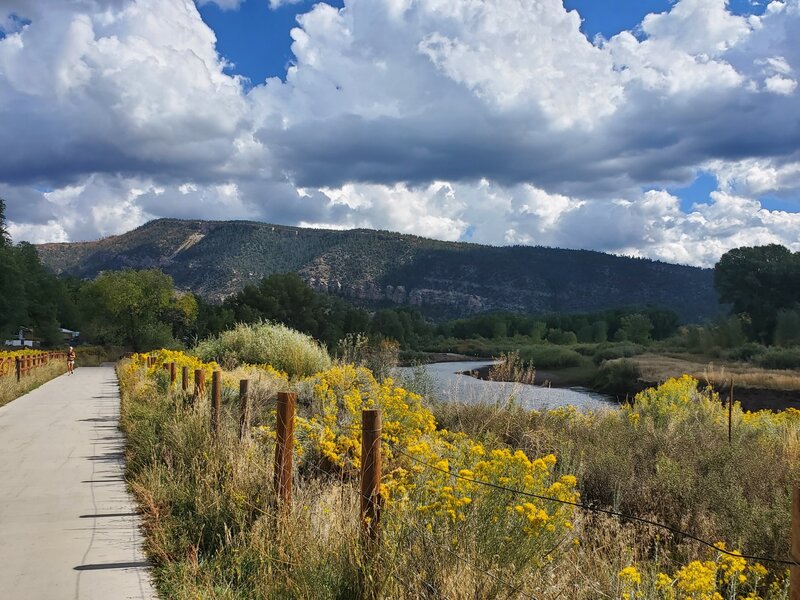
(68, 527)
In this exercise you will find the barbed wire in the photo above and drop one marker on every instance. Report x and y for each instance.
(579, 505)
(597, 509)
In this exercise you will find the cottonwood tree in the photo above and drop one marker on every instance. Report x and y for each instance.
(759, 282)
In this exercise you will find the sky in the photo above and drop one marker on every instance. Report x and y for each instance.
(653, 128)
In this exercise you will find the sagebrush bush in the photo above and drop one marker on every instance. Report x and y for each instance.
(285, 349)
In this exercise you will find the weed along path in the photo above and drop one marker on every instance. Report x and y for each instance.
(68, 527)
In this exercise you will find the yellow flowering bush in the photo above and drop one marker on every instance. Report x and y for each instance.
(6, 354)
(181, 359)
(671, 401)
(448, 492)
(630, 580)
(337, 397)
(7, 359)
(726, 577)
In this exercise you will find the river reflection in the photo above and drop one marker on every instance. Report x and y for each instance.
(450, 385)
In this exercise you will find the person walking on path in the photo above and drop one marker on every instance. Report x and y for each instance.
(70, 360)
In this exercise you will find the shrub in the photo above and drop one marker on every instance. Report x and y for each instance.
(550, 357)
(780, 359)
(585, 349)
(283, 348)
(556, 336)
(615, 351)
(620, 375)
(745, 352)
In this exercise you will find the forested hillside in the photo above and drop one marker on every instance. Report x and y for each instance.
(379, 268)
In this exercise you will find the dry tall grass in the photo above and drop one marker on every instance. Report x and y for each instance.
(10, 389)
(510, 367)
(657, 367)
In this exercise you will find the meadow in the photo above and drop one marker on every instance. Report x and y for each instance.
(480, 501)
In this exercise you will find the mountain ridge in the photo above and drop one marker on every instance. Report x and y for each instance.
(375, 268)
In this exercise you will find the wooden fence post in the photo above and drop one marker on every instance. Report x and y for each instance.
(18, 367)
(216, 401)
(199, 383)
(370, 501)
(172, 373)
(284, 444)
(244, 408)
(370, 474)
(794, 576)
(185, 379)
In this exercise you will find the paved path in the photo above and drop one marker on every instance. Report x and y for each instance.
(68, 528)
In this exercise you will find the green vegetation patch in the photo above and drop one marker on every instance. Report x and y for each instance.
(274, 344)
(550, 357)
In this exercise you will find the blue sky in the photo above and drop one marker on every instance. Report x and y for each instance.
(656, 128)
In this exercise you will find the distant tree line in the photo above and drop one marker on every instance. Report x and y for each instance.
(631, 324)
(31, 297)
(142, 309)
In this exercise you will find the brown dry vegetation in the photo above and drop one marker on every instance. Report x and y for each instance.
(658, 367)
(10, 389)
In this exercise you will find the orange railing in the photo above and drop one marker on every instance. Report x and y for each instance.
(21, 364)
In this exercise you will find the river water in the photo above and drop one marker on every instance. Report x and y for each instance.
(450, 385)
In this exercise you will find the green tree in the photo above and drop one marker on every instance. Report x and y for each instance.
(787, 327)
(387, 324)
(729, 333)
(132, 308)
(599, 332)
(758, 282)
(556, 336)
(637, 328)
(5, 238)
(30, 296)
(287, 299)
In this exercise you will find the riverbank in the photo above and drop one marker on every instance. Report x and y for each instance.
(752, 398)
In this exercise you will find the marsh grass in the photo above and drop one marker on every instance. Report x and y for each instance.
(510, 367)
(11, 390)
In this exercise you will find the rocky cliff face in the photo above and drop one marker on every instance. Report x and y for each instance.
(378, 268)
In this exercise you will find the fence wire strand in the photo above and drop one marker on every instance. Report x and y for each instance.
(597, 509)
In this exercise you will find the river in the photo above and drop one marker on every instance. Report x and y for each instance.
(450, 385)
